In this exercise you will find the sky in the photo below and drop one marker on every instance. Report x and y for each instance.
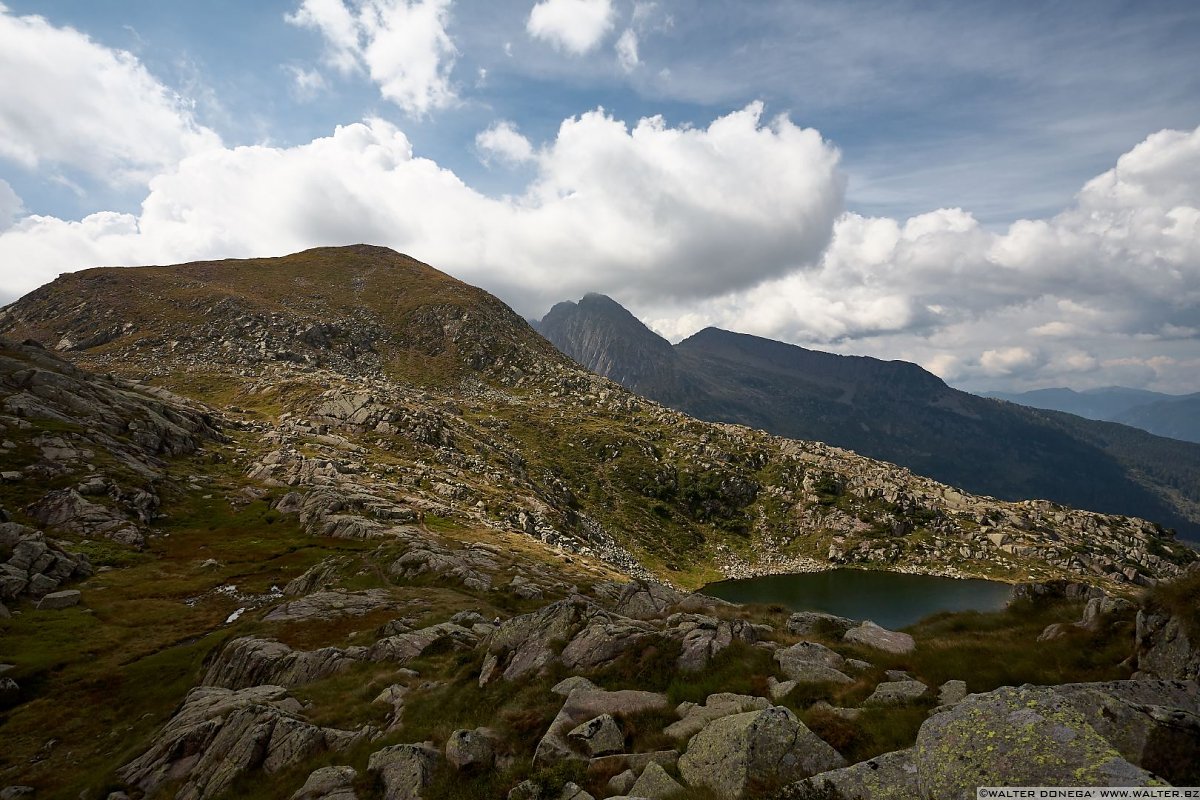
(1005, 193)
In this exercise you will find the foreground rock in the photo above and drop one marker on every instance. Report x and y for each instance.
(744, 753)
(219, 735)
(1017, 737)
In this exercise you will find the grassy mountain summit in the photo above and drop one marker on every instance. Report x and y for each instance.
(891, 410)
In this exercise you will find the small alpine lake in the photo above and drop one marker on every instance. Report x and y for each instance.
(891, 599)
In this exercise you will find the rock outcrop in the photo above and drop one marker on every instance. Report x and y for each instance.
(219, 735)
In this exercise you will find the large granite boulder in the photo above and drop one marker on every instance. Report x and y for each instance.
(897, 693)
(331, 605)
(759, 750)
(1017, 737)
(1165, 647)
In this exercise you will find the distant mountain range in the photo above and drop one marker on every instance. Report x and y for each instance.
(1174, 416)
(891, 410)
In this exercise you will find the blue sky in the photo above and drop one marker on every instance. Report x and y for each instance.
(914, 180)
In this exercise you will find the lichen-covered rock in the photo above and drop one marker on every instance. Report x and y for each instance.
(880, 638)
(951, 692)
(329, 783)
(405, 769)
(896, 693)
(219, 735)
(599, 736)
(654, 784)
(722, 704)
(1016, 737)
(1153, 724)
(738, 754)
(891, 776)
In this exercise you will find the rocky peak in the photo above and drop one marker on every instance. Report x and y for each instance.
(603, 336)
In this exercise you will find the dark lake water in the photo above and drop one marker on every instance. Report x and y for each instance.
(889, 598)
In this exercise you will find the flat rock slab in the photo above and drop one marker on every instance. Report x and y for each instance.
(880, 638)
(331, 605)
(892, 776)
(58, 600)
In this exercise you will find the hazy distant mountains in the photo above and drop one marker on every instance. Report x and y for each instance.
(1176, 416)
(891, 410)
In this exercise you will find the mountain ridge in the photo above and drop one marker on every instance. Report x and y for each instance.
(901, 413)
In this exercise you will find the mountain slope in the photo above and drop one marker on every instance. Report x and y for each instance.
(364, 369)
(1175, 417)
(899, 412)
(1105, 404)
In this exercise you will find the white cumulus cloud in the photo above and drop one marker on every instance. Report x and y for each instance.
(402, 45)
(502, 140)
(66, 100)
(658, 210)
(574, 26)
